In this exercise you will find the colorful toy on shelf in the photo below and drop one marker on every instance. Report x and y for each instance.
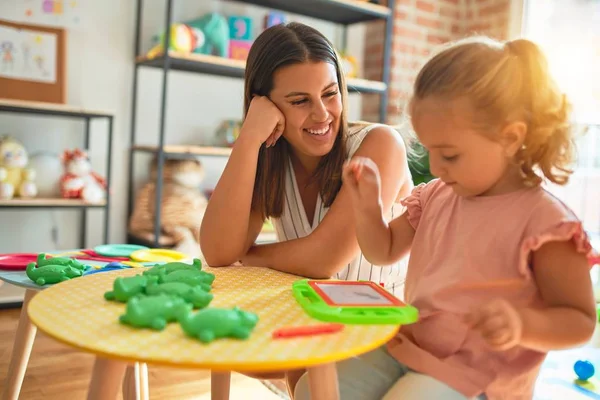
(153, 312)
(184, 39)
(216, 34)
(240, 37)
(214, 323)
(349, 65)
(54, 270)
(79, 181)
(16, 178)
(228, 132)
(274, 18)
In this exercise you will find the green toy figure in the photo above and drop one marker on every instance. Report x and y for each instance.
(51, 273)
(154, 312)
(216, 34)
(214, 323)
(125, 288)
(194, 295)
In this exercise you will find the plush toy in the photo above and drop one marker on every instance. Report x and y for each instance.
(216, 34)
(183, 204)
(16, 179)
(78, 180)
(184, 39)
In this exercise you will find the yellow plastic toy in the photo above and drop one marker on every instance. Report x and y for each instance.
(157, 255)
(16, 180)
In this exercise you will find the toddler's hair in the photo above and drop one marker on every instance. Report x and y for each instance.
(504, 82)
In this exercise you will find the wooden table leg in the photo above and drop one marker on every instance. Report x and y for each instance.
(135, 382)
(107, 377)
(323, 382)
(220, 383)
(21, 351)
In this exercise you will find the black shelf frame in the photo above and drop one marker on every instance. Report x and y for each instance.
(86, 117)
(344, 13)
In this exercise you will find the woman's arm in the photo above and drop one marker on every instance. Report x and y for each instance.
(569, 318)
(333, 244)
(229, 227)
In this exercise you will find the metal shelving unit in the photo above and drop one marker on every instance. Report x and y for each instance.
(343, 12)
(64, 111)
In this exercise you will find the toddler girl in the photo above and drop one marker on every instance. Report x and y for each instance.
(498, 266)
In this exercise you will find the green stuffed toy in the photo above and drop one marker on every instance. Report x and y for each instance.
(215, 28)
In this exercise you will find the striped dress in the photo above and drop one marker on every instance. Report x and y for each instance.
(294, 224)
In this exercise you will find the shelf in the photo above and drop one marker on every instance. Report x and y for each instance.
(344, 12)
(48, 203)
(226, 67)
(41, 108)
(176, 151)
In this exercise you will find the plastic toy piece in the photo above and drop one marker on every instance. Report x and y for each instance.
(154, 312)
(189, 276)
(352, 302)
(43, 261)
(194, 295)
(50, 273)
(118, 250)
(311, 330)
(170, 267)
(584, 370)
(157, 255)
(214, 323)
(126, 288)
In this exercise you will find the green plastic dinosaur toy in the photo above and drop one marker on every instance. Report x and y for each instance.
(214, 323)
(190, 276)
(125, 288)
(174, 266)
(194, 295)
(51, 273)
(43, 261)
(154, 312)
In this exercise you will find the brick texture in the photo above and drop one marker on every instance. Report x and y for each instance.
(420, 26)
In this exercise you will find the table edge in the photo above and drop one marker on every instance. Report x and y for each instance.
(268, 366)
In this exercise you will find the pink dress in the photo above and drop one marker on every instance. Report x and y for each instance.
(467, 251)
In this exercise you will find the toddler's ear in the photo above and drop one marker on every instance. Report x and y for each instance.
(513, 136)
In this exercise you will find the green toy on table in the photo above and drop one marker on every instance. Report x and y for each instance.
(168, 293)
(54, 269)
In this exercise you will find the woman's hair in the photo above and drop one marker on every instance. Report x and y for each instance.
(505, 82)
(276, 47)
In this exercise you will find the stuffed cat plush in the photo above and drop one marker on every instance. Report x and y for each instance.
(183, 203)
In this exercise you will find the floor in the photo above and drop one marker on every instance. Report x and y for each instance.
(69, 372)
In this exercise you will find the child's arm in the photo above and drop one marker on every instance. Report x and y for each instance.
(380, 242)
(563, 277)
(568, 318)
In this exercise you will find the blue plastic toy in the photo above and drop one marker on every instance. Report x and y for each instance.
(584, 370)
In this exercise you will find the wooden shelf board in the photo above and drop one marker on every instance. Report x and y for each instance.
(44, 202)
(37, 107)
(180, 150)
(225, 67)
(344, 12)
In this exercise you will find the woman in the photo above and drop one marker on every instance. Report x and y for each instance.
(287, 163)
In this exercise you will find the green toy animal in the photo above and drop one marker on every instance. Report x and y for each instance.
(194, 295)
(214, 323)
(216, 34)
(125, 288)
(51, 273)
(154, 312)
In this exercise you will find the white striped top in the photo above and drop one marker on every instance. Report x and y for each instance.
(294, 224)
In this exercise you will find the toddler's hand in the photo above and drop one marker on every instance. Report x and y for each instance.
(362, 178)
(499, 323)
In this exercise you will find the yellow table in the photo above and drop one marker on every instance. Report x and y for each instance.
(75, 312)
